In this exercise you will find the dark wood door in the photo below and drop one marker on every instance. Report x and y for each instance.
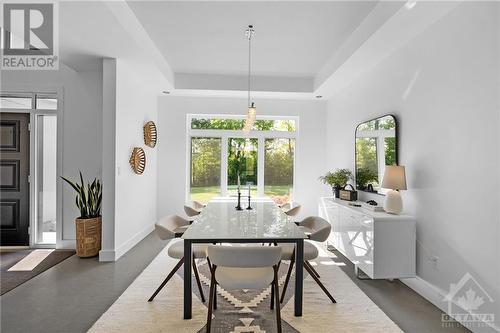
(14, 185)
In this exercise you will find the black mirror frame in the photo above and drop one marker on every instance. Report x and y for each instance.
(396, 152)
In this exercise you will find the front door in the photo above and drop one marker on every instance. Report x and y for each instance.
(14, 185)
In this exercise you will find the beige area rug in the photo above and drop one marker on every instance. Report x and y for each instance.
(131, 312)
(354, 312)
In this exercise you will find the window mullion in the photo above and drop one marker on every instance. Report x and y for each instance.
(260, 167)
(33, 101)
(223, 166)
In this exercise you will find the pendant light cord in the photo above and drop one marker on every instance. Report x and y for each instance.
(249, 66)
(250, 31)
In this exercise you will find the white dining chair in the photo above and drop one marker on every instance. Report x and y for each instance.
(198, 205)
(291, 211)
(288, 210)
(190, 211)
(318, 230)
(249, 267)
(167, 228)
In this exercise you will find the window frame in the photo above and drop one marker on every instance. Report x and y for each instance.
(33, 92)
(224, 135)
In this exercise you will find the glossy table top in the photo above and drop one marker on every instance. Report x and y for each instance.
(219, 220)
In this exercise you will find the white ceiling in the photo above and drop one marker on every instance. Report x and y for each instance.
(88, 31)
(291, 39)
(301, 49)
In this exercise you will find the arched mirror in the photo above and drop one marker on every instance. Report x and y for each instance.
(376, 147)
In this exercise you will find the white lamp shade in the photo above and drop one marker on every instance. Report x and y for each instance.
(251, 115)
(252, 111)
(394, 177)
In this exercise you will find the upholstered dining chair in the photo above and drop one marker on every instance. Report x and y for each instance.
(248, 267)
(198, 205)
(167, 228)
(289, 210)
(190, 211)
(318, 230)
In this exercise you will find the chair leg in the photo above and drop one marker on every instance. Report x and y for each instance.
(272, 295)
(215, 296)
(212, 271)
(320, 284)
(179, 264)
(197, 276)
(210, 301)
(209, 265)
(276, 295)
(312, 268)
(272, 287)
(292, 262)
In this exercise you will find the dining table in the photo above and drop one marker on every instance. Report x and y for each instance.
(264, 223)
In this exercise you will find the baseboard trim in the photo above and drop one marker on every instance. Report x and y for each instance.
(436, 295)
(107, 255)
(114, 255)
(66, 244)
(124, 248)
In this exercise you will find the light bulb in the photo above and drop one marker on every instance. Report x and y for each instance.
(252, 112)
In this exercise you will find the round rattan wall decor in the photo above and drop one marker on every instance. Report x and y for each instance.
(150, 134)
(138, 160)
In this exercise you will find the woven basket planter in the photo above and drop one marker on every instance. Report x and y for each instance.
(88, 237)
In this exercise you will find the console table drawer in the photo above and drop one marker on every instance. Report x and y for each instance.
(362, 219)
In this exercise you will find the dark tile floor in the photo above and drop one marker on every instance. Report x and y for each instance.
(11, 279)
(72, 295)
(410, 311)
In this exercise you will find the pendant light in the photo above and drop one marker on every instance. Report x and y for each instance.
(252, 110)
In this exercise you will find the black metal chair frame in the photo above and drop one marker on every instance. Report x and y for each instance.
(212, 297)
(314, 274)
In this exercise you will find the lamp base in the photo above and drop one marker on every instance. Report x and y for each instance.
(393, 203)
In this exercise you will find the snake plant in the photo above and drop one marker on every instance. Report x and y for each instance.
(88, 197)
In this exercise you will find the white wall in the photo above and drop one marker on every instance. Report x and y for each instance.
(310, 156)
(107, 252)
(130, 99)
(81, 139)
(443, 87)
(135, 196)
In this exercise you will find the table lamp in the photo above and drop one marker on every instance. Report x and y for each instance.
(394, 180)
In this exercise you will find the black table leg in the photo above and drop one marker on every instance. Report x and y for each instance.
(188, 257)
(299, 276)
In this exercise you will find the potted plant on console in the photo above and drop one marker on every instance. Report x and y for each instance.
(337, 180)
(89, 224)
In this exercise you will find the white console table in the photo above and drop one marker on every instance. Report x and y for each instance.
(382, 245)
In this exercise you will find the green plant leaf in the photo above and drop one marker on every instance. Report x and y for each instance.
(88, 196)
(73, 185)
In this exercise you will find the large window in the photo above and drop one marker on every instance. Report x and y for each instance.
(46, 177)
(278, 172)
(242, 158)
(205, 168)
(220, 152)
(235, 123)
